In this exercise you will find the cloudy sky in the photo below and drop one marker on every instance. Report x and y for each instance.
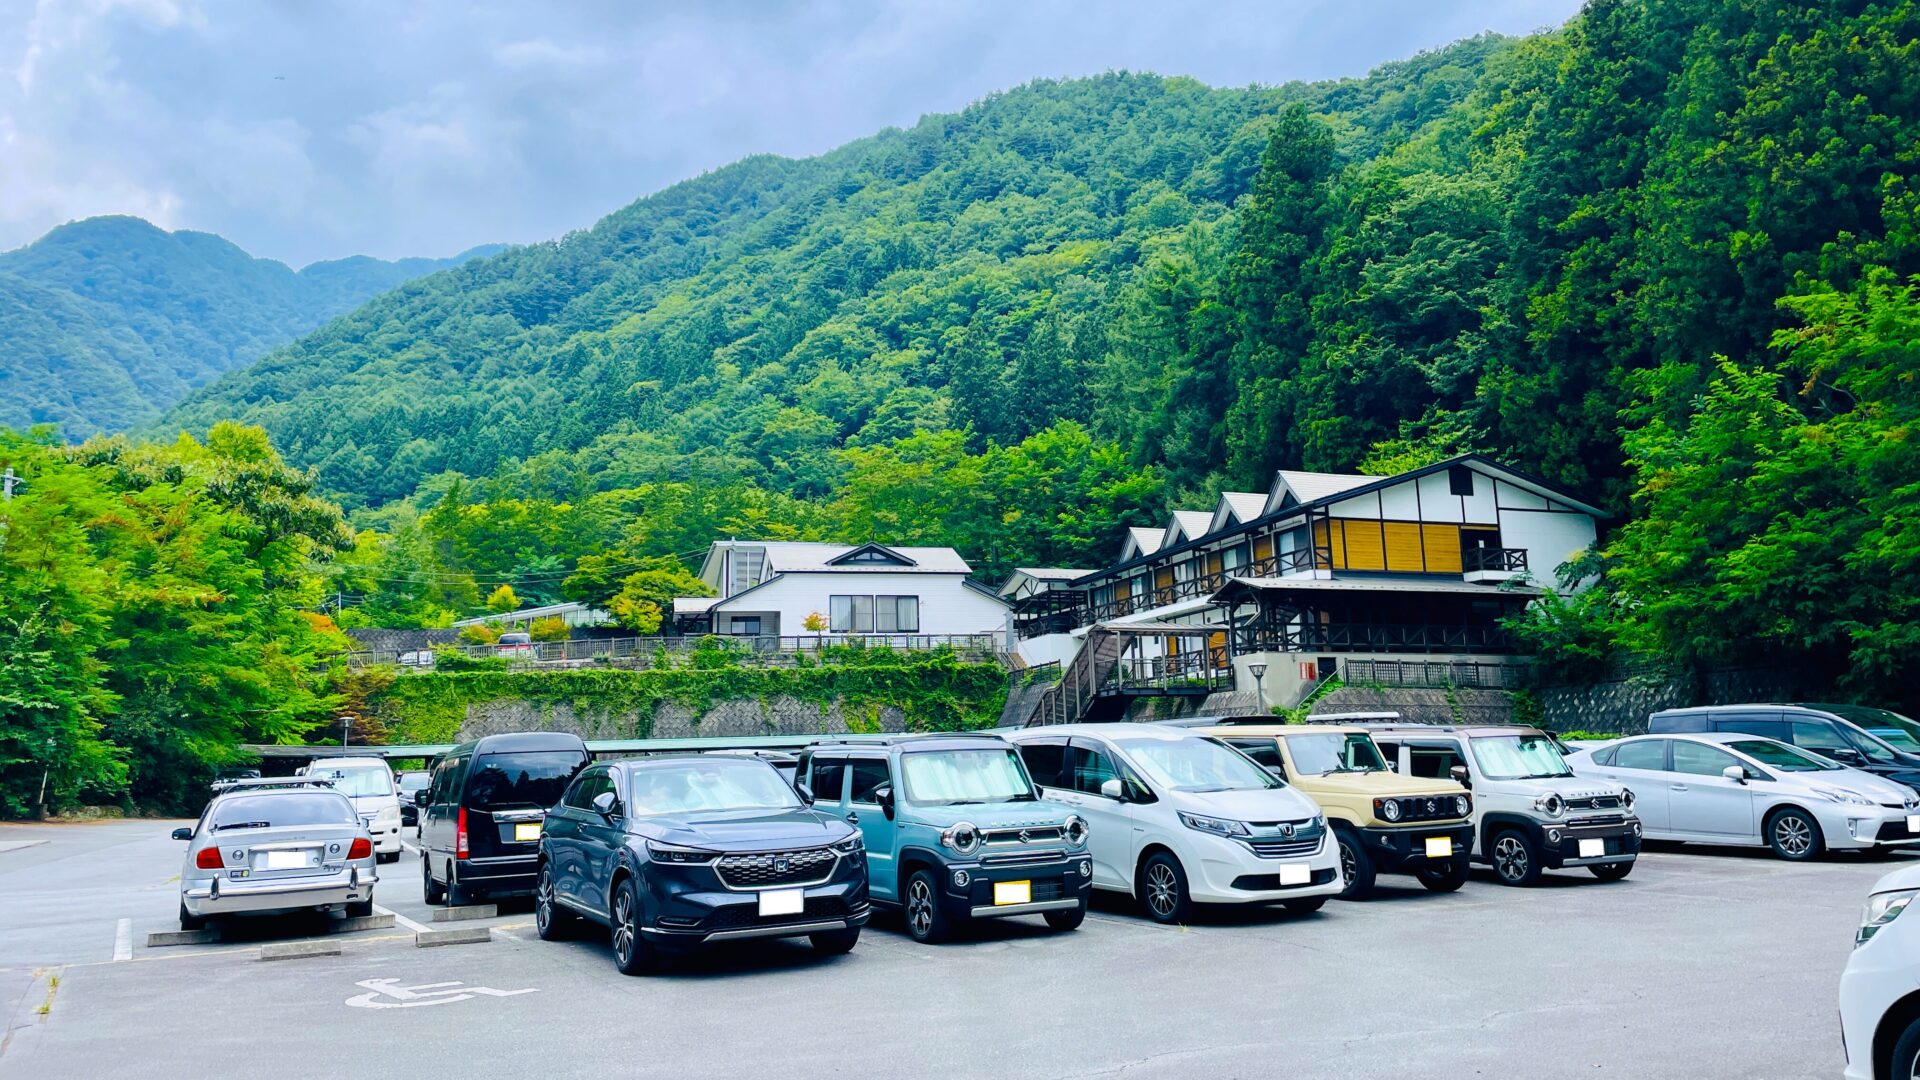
(310, 129)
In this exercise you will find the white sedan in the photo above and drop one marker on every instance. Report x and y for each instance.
(1880, 990)
(1731, 788)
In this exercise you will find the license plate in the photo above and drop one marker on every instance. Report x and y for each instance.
(1439, 847)
(1012, 892)
(783, 902)
(287, 860)
(1294, 874)
(1592, 849)
(527, 830)
(1913, 822)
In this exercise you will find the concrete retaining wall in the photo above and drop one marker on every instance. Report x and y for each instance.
(781, 716)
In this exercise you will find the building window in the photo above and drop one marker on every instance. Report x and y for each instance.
(746, 624)
(1459, 480)
(897, 614)
(850, 614)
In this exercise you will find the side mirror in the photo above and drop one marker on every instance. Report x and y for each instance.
(883, 795)
(607, 805)
(1459, 775)
(420, 797)
(183, 834)
(806, 793)
(1112, 788)
(1850, 757)
(1735, 773)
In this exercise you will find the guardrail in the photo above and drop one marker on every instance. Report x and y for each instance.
(1434, 674)
(642, 652)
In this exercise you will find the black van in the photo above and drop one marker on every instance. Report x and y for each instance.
(1839, 732)
(480, 814)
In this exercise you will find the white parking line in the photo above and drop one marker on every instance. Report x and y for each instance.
(123, 941)
(401, 919)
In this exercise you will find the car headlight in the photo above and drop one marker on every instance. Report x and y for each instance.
(1882, 908)
(1076, 831)
(1214, 825)
(1462, 805)
(1626, 799)
(1389, 809)
(962, 837)
(1550, 804)
(391, 813)
(852, 845)
(674, 853)
(1842, 795)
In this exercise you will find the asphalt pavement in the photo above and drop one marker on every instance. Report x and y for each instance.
(1703, 963)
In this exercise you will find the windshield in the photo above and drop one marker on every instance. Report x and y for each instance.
(356, 780)
(952, 777)
(1781, 756)
(294, 808)
(682, 787)
(1195, 764)
(1896, 738)
(412, 781)
(1332, 753)
(1518, 757)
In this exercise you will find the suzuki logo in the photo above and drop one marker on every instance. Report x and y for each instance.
(782, 864)
(1026, 837)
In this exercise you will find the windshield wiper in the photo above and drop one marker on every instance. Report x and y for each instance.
(244, 825)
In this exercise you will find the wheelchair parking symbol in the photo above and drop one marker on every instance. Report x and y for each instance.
(387, 994)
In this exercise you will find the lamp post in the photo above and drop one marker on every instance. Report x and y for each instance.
(1259, 673)
(346, 729)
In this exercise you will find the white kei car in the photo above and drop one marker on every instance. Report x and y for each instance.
(1880, 990)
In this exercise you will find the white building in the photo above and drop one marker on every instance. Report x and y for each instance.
(770, 588)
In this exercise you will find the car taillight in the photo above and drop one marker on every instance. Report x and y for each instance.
(208, 859)
(460, 835)
(362, 848)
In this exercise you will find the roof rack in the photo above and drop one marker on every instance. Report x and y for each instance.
(902, 738)
(221, 787)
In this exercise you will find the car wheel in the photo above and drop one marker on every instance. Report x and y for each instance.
(926, 921)
(1794, 835)
(1515, 860)
(1906, 1054)
(458, 895)
(550, 921)
(1068, 918)
(631, 953)
(1612, 871)
(1163, 889)
(1446, 877)
(1356, 867)
(1304, 907)
(432, 891)
(360, 909)
(388, 857)
(189, 921)
(835, 942)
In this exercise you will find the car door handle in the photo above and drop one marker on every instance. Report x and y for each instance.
(1678, 787)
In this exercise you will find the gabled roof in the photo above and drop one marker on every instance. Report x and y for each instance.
(1235, 507)
(792, 556)
(1291, 487)
(1051, 573)
(1141, 541)
(873, 555)
(1185, 525)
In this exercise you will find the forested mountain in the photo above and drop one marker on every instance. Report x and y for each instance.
(106, 322)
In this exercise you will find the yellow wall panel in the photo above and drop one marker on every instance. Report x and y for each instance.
(1443, 548)
(1403, 547)
(1366, 549)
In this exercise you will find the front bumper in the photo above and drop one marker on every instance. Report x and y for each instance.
(223, 896)
(1867, 826)
(386, 838)
(1223, 871)
(1619, 843)
(1878, 975)
(1060, 882)
(1403, 848)
(680, 917)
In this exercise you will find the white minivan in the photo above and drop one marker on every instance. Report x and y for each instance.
(368, 781)
(1176, 818)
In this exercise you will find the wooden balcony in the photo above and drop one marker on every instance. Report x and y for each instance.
(1371, 637)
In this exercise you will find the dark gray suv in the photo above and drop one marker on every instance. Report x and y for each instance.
(1842, 733)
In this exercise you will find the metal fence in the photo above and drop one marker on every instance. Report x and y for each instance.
(642, 652)
(1432, 674)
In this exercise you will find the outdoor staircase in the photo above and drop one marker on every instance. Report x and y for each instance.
(1077, 694)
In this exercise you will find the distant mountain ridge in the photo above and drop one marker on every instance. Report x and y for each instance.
(107, 322)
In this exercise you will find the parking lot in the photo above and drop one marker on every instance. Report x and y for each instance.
(1704, 963)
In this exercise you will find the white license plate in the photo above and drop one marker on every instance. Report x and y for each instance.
(1439, 847)
(1294, 874)
(1012, 892)
(1913, 822)
(527, 830)
(1592, 849)
(286, 860)
(783, 902)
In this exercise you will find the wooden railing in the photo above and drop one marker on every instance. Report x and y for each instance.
(1509, 560)
(1371, 637)
(640, 651)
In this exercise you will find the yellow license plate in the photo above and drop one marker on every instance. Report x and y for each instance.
(527, 830)
(1012, 892)
(1439, 847)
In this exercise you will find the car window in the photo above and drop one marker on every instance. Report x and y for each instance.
(1692, 721)
(1090, 767)
(1433, 762)
(586, 786)
(1263, 751)
(867, 774)
(1817, 737)
(1867, 745)
(1642, 754)
(1700, 760)
(829, 781)
(525, 779)
(1044, 761)
(1784, 758)
(1765, 725)
(1604, 756)
(356, 780)
(274, 811)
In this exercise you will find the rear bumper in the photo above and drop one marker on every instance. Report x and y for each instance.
(498, 874)
(1403, 848)
(219, 896)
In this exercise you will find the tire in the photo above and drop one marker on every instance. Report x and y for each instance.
(1794, 835)
(835, 942)
(458, 895)
(1356, 866)
(430, 890)
(631, 953)
(1304, 907)
(1516, 859)
(394, 857)
(1068, 918)
(920, 906)
(189, 921)
(551, 921)
(1447, 877)
(360, 909)
(1163, 889)
(1906, 1053)
(1613, 871)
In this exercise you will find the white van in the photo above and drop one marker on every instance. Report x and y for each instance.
(1176, 818)
(368, 781)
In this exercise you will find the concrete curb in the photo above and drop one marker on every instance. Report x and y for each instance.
(461, 914)
(465, 935)
(362, 922)
(295, 950)
(182, 937)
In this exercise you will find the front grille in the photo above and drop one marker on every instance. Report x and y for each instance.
(1425, 808)
(1022, 858)
(741, 916)
(1600, 822)
(1597, 802)
(1280, 849)
(1043, 889)
(1032, 834)
(776, 868)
